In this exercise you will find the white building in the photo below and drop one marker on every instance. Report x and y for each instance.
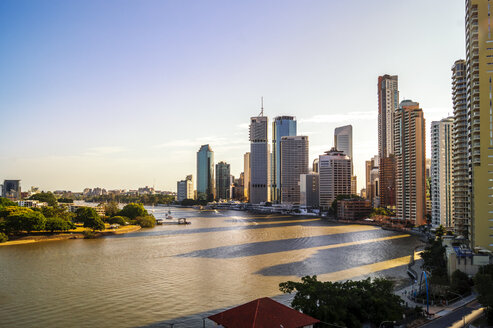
(334, 177)
(184, 189)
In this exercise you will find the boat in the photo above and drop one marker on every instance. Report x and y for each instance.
(183, 221)
(159, 221)
(169, 217)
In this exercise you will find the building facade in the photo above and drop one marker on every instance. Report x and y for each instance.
(410, 161)
(184, 189)
(309, 190)
(334, 177)
(11, 189)
(294, 162)
(205, 173)
(223, 181)
(259, 160)
(353, 209)
(246, 177)
(441, 173)
(283, 126)
(343, 139)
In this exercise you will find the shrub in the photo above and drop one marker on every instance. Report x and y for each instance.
(118, 220)
(57, 224)
(3, 237)
(95, 224)
(147, 221)
(133, 210)
(89, 234)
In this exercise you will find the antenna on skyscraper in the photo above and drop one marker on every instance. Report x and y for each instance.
(261, 106)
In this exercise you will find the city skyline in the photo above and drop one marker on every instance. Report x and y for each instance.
(121, 105)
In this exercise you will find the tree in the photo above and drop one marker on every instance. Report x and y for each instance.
(65, 200)
(47, 197)
(435, 262)
(350, 303)
(483, 282)
(3, 237)
(95, 224)
(6, 202)
(147, 221)
(133, 210)
(24, 219)
(118, 220)
(84, 214)
(58, 224)
(111, 208)
(459, 283)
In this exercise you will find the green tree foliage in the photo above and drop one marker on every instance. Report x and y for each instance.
(65, 200)
(24, 219)
(94, 224)
(118, 220)
(483, 282)
(191, 202)
(459, 283)
(133, 210)
(440, 231)
(57, 224)
(147, 221)
(84, 214)
(6, 202)
(350, 303)
(381, 211)
(111, 208)
(126, 199)
(435, 262)
(47, 197)
(3, 237)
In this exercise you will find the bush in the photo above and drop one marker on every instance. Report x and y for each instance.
(147, 221)
(118, 220)
(84, 214)
(133, 210)
(57, 224)
(95, 224)
(3, 237)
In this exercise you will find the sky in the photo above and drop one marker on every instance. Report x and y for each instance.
(122, 94)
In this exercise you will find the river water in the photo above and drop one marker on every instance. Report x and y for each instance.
(176, 274)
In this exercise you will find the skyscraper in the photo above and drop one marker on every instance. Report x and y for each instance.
(388, 102)
(294, 162)
(462, 184)
(480, 118)
(334, 176)
(410, 161)
(282, 126)
(259, 160)
(11, 189)
(223, 181)
(343, 139)
(246, 175)
(441, 172)
(309, 190)
(184, 189)
(205, 173)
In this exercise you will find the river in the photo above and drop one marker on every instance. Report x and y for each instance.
(181, 273)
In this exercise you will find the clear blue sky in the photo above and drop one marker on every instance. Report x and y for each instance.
(121, 94)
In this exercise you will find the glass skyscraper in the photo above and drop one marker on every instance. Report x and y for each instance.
(283, 126)
(205, 173)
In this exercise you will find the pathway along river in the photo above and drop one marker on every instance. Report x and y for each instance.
(178, 274)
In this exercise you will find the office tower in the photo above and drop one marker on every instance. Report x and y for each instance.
(388, 102)
(309, 190)
(223, 181)
(259, 160)
(205, 173)
(334, 176)
(315, 165)
(283, 126)
(184, 189)
(409, 149)
(11, 189)
(343, 139)
(372, 181)
(479, 49)
(441, 172)
(294, 161)
(354, 185)
(246, 175)
(462, 184)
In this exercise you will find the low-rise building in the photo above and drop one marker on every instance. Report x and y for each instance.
(353, 209)
(31, 203)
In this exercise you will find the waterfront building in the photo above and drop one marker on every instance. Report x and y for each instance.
(11, 189)
(410, 162)
(309, 190)
(282, 126)
(259, 160)
(246, 175)
(184, 189)
(294, 162)
(441, 173)
(480, 118)
(462, 183)
(205, 173)
(334, 176)
(388, 102)
(353, 209)
(223, 181)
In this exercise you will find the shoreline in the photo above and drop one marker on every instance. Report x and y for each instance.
(69, 235)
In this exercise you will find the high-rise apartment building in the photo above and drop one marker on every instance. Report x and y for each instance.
(223, 181)
(309, 190)
(409, 147)
(205, 173)
(479, 60)
(343, 139)
(246, 177)
(372, 181)
(259, 160)
(462, 184)
(294, 162)
(388, 103)
(334, 176)
(184, 189)
(441, 173)
(283, 126)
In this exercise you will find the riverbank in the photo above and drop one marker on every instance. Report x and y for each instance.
(77, 233)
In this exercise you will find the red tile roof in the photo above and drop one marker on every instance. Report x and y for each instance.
(262, 313)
